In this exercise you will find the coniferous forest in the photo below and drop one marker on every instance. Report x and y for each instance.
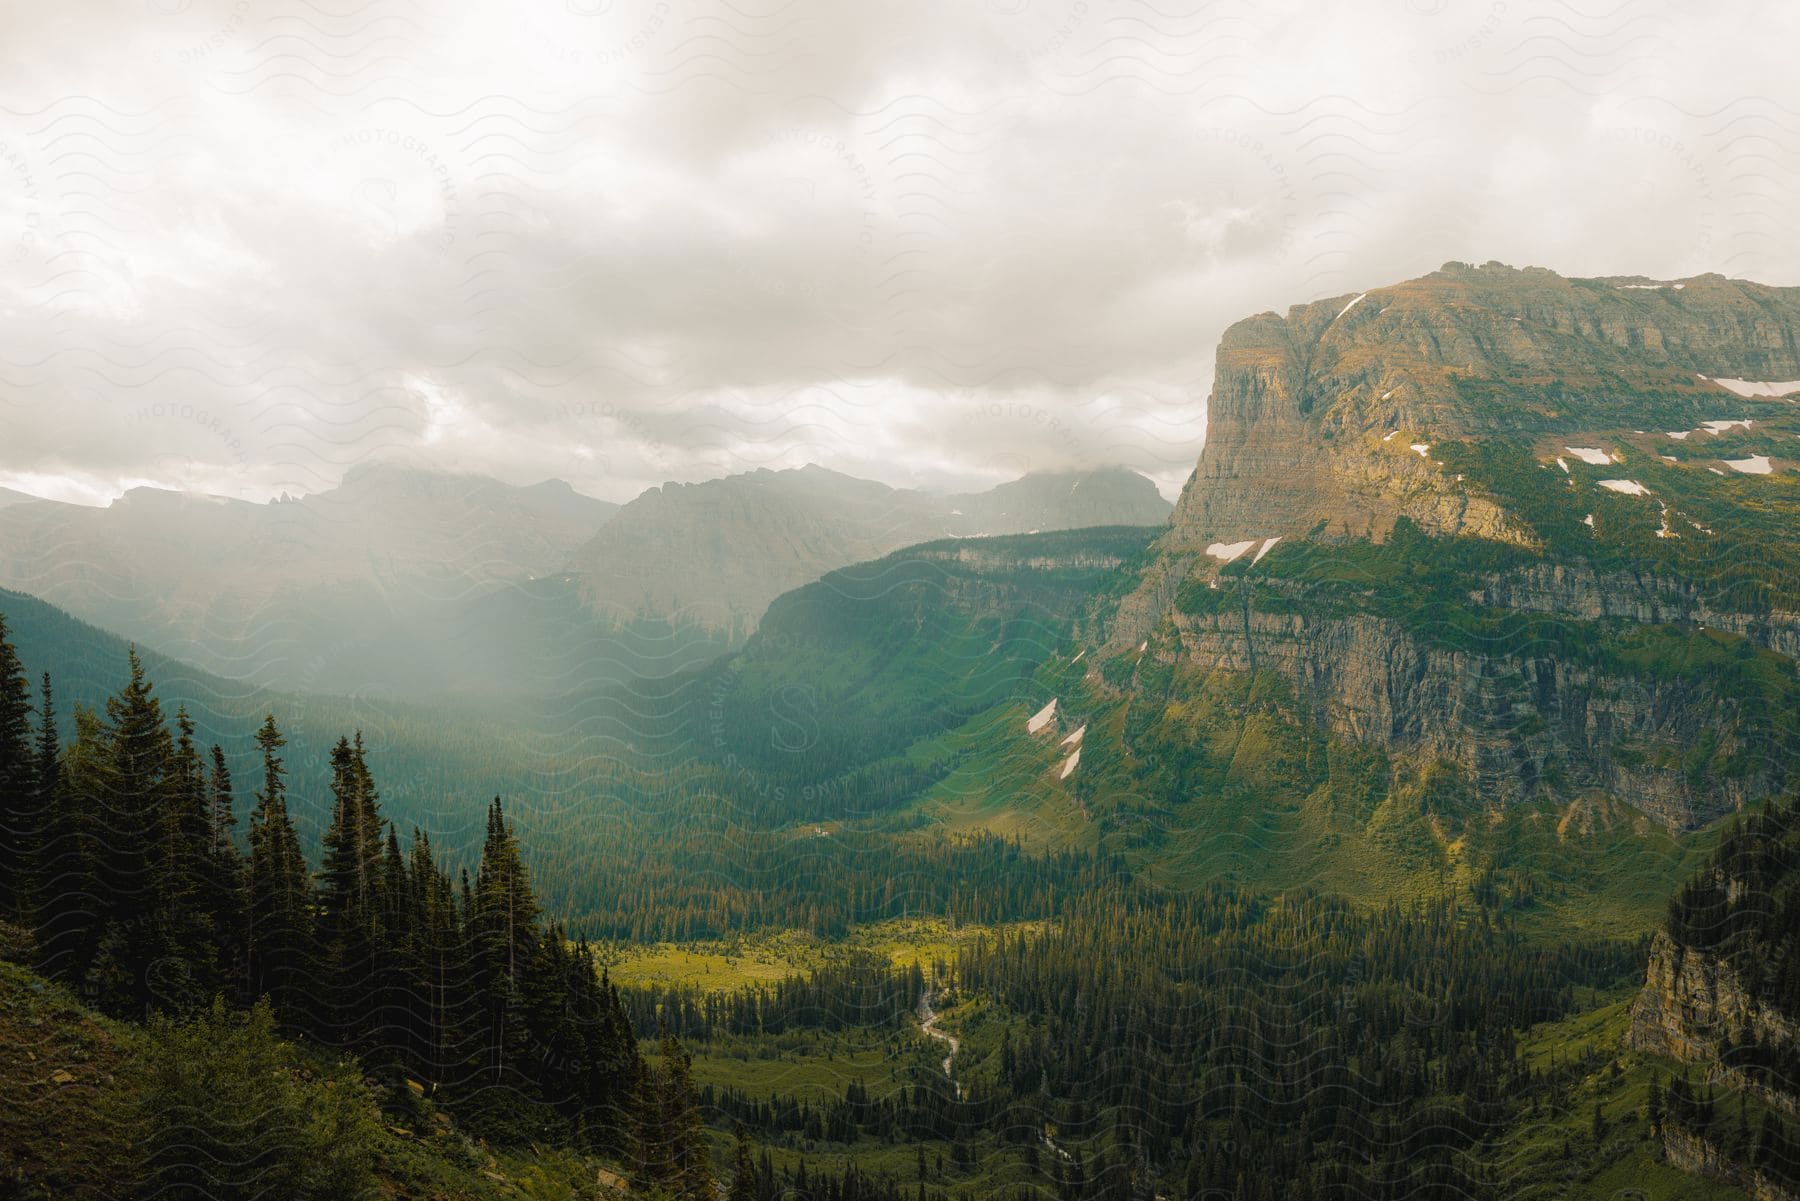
(1127, 1039)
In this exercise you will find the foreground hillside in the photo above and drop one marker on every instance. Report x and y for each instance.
(77, 1090)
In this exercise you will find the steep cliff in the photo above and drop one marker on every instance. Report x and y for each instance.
(1314, 417)
(1722, 996)
(1545, 530)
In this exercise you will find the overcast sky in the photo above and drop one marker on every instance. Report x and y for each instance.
(245, 244)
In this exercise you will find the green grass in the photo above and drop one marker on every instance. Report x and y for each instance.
(75, 1137)
(722, 965)
(1529, 1158)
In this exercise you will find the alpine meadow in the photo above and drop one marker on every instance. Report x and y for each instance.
(818, 601)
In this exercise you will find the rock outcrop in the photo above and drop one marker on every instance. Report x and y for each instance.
(1303, 406)
(1330, 426)
(1692, 1002)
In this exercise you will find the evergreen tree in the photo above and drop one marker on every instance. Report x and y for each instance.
(672, 1158)
(70, 901)
(189, 969)
(18, 782)
(45, 780)
(504, 931)
(280, 892)
(743, 1168)
(348, 902)
(224, 879)
(131, 813)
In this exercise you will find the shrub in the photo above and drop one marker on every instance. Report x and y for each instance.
(230, 1110)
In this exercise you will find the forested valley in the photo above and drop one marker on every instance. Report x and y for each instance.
(1115, 1038)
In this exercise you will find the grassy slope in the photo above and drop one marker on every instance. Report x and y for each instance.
(1529, 1158)
(73, 1138)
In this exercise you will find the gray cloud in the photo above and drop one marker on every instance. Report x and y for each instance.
(243, 246)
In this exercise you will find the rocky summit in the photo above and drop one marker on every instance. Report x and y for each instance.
(1541, 530)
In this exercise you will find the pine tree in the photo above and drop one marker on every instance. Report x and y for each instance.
(141, 759)
(189, 973)
(504, 930)
(70, 902)
(672, 1155)
(743, 1168)
(348, 909)
(224, 882)
(18, 783)
(35, 879)
(279, 888)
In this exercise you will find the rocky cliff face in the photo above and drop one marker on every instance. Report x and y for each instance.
(1516, 727)
(1692, 1002)
(1313, 416)
(1489, 403)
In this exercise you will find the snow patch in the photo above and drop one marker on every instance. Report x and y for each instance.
(1628, 487)
(1768, 388)
(1042, 717)
(1754, 465)
(1591, 455)
(1143, 646)
(1390, 436)
(1068, 767)
(1082, 654)
(1588, 521)
(1350, 306)
(1422, 449)
(1387, 394)
(1266, 548)
(1679, 437)
(1225, 552)
(1562, 463)
(1075, 738)
(1719, 427)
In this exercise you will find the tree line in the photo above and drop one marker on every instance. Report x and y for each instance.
(120, 854)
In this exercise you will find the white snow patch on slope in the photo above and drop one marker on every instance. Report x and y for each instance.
(1225, 552)
(1042, 717)
(1389, 437)
(1750, 387)
(1681, 436)
(1754, 465)
(1588, 521)
(1422, 449)
(1719, 427)
(1562, 463)
(1068, 767)
(1591, 455)
(1075, 738)
(1350, 306)
(1266, 548)
(1628, 487)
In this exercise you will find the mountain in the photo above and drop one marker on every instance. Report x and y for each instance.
(366, 586)
(1538, 530)
(1479, 586)
(713, 555)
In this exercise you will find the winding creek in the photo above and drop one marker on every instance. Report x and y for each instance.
(928, 1023)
